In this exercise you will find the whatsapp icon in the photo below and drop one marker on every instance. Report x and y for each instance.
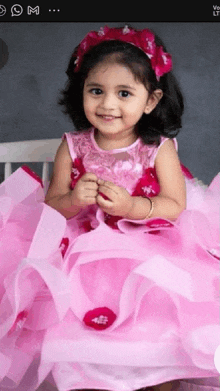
(16, 10)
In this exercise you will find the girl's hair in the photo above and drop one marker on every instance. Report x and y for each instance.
(164, 120)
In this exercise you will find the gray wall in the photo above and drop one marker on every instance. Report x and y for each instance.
(35, 72)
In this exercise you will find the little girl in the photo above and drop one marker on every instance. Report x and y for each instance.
(110, 282)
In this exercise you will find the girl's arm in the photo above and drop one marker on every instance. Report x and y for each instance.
(170, 202)
(59, 194)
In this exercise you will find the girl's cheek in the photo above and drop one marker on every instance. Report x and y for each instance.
(88, 103)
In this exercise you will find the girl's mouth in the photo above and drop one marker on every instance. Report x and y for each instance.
(107, 117)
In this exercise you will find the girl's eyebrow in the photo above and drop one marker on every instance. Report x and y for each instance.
(93, 85)
(119, 86)
(126, 86)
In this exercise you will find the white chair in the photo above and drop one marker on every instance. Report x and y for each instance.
(29, 151)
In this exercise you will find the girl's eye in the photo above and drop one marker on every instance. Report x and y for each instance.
(124, 94)
(96, 91)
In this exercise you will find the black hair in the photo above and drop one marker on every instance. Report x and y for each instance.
(164, 120)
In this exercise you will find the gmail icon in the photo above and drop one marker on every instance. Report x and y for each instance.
(33, 10)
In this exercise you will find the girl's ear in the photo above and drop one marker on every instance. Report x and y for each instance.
(153, 100)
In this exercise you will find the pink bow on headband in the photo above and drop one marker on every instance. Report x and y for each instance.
(161, 61)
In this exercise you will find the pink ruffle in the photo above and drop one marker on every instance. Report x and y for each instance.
(156, 289)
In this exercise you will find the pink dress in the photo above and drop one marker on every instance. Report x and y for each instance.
(102, 302)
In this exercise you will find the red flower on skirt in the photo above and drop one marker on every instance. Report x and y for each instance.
(99, 318)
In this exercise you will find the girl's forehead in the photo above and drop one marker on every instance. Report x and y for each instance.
(111, 71)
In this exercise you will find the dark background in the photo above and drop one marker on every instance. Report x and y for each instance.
(38, 54)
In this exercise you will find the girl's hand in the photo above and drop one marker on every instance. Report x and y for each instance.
(119, 202)
(85, 191)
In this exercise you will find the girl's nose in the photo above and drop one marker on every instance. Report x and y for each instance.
(108, 101)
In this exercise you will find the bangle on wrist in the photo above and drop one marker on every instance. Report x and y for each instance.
(151, 208)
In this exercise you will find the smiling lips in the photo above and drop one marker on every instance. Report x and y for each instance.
(107, 117)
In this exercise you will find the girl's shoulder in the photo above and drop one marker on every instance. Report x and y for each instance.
(152, 150)
(78, 142)
(76, 135)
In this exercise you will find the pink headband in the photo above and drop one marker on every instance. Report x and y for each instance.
(161, 61)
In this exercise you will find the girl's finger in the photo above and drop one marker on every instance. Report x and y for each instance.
(108, 192)
(103, 195)
(89, 176)
(111, 186)
(91, 186)
(100, 182)
(107, 204)
(91, 193)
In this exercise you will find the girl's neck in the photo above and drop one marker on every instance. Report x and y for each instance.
(108, 143)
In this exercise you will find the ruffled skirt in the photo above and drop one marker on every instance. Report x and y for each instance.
(87, 306)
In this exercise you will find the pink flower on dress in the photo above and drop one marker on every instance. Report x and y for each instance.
(147, 185)
(100, 318)
(19, 322)
(78, 170)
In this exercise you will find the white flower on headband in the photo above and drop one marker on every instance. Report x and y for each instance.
(101, 31)
(126, 30)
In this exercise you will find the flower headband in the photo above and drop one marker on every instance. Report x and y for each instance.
(161, 61)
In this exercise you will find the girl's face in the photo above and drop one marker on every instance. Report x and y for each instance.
(114, 101)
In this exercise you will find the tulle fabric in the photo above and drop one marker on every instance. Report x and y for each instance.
(160, 279)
